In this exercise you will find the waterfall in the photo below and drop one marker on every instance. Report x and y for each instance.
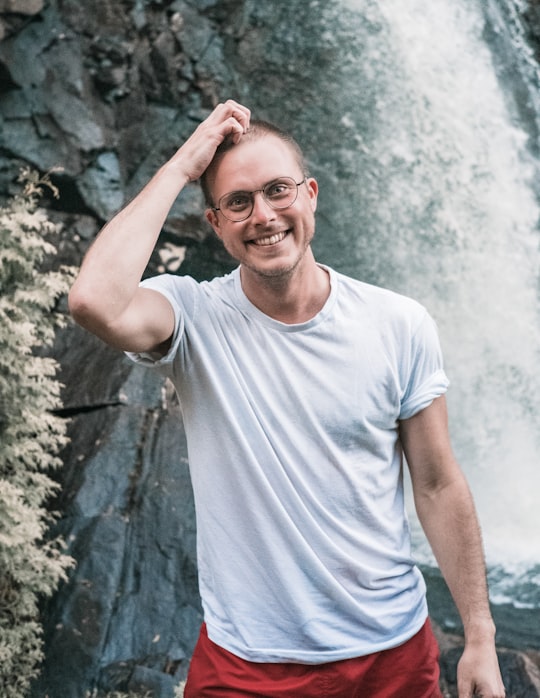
(447, 189)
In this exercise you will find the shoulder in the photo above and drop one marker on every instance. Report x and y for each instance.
(380, 303)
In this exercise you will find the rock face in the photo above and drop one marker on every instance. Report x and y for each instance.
(129, 615)
(108, 90)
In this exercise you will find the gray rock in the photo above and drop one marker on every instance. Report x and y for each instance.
(100, 185)
(23, 7)
(130, 613)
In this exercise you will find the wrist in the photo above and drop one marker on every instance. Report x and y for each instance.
(175, 171)
(479, 631)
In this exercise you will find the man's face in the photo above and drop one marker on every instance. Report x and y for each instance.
(270, 242)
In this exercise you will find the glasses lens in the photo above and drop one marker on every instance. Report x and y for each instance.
(281, 193)
(236, 205)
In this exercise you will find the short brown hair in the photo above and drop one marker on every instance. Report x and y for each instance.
(258, 128)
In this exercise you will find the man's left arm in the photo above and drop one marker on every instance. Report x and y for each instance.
(447, 513)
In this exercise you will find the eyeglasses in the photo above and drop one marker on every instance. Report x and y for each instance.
(279, 193)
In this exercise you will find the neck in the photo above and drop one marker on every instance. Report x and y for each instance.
(292, 297)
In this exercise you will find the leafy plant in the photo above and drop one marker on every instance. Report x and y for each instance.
(31, 436)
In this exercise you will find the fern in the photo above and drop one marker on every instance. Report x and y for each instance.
(31, 436)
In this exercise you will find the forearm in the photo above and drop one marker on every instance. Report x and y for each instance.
(112, 269)
(447, 513)
(449, 519)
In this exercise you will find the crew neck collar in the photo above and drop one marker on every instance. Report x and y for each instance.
(256, 314)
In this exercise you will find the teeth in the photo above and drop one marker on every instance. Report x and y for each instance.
(271, 240)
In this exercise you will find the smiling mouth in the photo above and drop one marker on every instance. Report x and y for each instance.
(270, 240)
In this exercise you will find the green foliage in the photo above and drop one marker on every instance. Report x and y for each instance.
(31, 436)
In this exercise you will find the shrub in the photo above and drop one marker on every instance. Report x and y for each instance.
(31, 436)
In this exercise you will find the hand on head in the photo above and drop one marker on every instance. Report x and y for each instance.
(229, 119)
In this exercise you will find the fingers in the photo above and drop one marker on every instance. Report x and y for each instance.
(239, 112)
(227, 120)
(479, 676)
(234, 118)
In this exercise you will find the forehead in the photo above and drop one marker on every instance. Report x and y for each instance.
(252, 163)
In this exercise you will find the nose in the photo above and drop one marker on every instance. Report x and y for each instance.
(262, 211)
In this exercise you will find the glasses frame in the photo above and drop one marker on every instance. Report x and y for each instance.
(252, 197)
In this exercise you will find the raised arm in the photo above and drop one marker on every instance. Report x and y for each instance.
(106, 298)
(446, 511)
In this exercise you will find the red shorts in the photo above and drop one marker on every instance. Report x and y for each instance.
(408, 671)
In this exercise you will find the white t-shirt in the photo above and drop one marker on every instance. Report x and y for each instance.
(303, 544)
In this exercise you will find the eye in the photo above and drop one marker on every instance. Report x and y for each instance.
(236, 201)
(280, 189)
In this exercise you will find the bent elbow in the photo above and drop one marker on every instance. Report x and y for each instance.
(78, 305)
(84, 309)
(97, 315)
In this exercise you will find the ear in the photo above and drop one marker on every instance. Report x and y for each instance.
(212, 217)
(313, 191)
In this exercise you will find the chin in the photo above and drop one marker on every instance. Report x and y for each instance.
(275, 271)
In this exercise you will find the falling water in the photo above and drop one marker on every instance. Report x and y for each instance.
(442, 207)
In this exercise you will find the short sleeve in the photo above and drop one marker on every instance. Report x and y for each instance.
(167, 285)
(426, 377)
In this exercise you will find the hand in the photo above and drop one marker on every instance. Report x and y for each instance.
(228, 119)
(479, 674)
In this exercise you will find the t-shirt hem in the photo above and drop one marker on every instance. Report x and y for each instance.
(296, 656)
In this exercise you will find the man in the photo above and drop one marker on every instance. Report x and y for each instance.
(300, 389)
